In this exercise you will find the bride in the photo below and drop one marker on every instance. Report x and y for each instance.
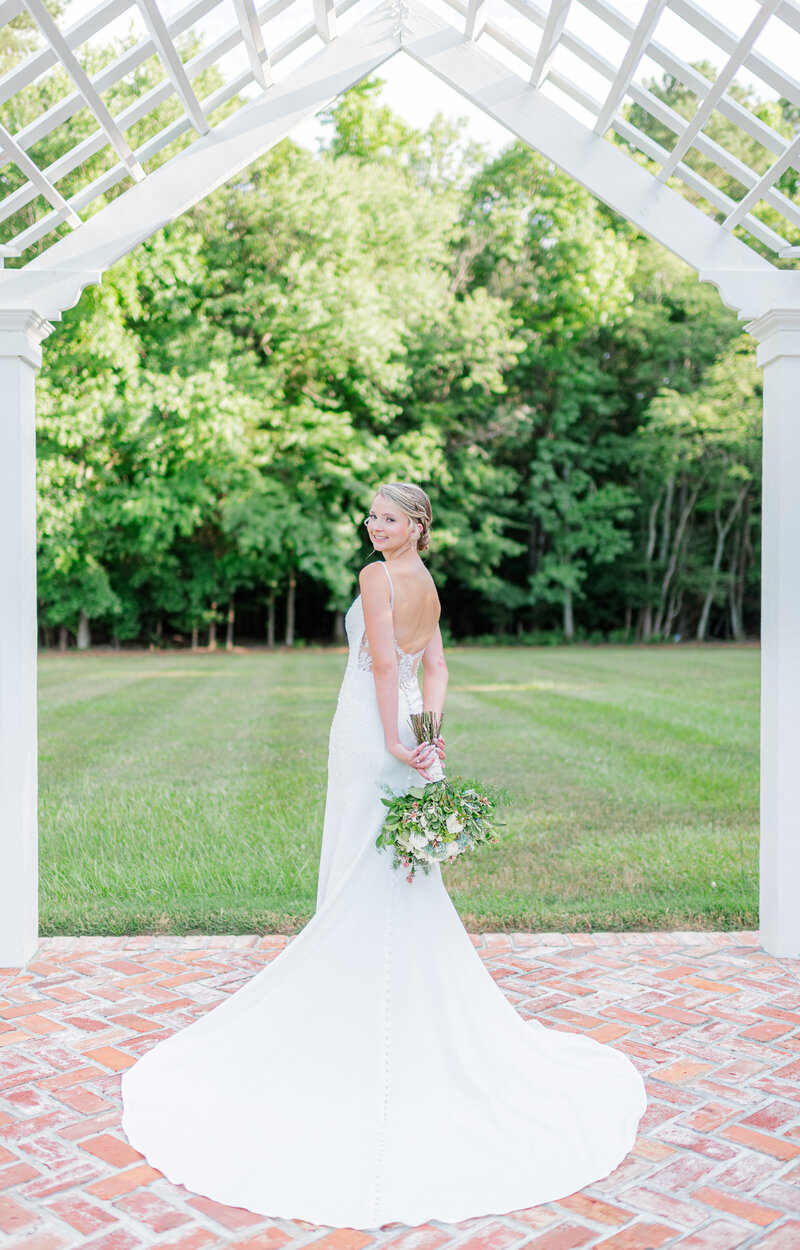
(373, 1072)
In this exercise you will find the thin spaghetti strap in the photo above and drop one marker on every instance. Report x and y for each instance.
(391, 585)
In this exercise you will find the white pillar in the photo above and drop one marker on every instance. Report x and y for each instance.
(778, 335)
(20, 355)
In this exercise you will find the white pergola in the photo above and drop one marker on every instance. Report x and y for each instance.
(537, 68)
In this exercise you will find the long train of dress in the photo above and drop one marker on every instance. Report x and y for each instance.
(373, 1072)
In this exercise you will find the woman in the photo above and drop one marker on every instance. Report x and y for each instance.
(373, 1072)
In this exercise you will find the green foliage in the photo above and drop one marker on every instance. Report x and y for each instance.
(214, 417)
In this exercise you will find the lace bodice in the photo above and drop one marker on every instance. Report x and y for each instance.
(360, 658)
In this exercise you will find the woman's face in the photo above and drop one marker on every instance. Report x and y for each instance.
(388, 526)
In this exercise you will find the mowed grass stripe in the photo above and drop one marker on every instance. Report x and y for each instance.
(186, 792)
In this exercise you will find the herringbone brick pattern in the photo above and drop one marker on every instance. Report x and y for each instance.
(710, 1020)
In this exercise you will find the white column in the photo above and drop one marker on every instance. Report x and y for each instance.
(20, 355)
(778, 335)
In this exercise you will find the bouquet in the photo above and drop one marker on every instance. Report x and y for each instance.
(436, 822)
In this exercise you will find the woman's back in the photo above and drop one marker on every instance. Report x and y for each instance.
(416, 608)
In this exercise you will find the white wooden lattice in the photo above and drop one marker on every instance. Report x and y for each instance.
(251, 48)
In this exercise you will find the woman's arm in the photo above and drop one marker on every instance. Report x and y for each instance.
(434, 674)
(434, 681)
(376, 602)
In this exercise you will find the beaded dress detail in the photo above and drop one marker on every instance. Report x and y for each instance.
(373, 1071)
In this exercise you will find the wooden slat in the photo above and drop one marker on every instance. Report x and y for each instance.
(174, 66)
(325, 20)
(553, 30)
(636, 49)
(84, 85)
(253, 41)
(718, 89)
(13, 152)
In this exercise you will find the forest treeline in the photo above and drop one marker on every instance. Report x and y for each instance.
(584, 414)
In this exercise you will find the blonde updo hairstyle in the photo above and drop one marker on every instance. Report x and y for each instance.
(416, 505)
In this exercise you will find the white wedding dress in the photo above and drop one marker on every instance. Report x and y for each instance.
(373, 1072)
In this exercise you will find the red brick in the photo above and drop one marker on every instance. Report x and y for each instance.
(122, 1182)
(41, 1241)
(149, 1209)
(753, 1212)
(709, 1117)
(664, 1206)
(562, 1237)
(77, 1173)
(84, 1101)
(77, 1075)
(192, 1239)
(718, 1235)
(423, 1237)
(786, 1237)
(767, 1031)
(772, 1117)
(273, 1239)
(138, 1023)
(682, 1070)
(39, 1025)
(778, 1148)
(229, 1217)
(593, 1209)
(115, 1239)
(13, 1217)
(111, 1149)
(16, 1174)
(83, 1128)
(111, 1057)
(683, 1171)
(347, 1239)
(638, 1237)
(80, 1214)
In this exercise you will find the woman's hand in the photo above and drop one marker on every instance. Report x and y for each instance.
(439, 745)
(420, 757)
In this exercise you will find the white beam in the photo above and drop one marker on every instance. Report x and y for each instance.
(603, 169)
(553, 30)
(720, 86)
(477, 13)
(157, 29)
(778, 334)
(635, 51)
(54, 280)
(253, 41)
(325, 20)
(20, 355)
(73, 67)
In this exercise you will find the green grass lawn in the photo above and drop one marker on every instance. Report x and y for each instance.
(185, 793)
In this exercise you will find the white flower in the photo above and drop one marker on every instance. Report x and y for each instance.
(454, 825)
(453, 850)
(418, 840)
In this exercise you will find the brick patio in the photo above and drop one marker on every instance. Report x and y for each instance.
(710, 1020)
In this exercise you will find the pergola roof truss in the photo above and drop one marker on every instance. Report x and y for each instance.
(246, 43)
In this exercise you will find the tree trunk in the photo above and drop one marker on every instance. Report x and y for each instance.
(722, 534)
(628, 619)
(194, 637)
(212, 630)
(62, 637)
(687, 506)
(290, 597)
(84, 632)
(271, 618)
(159, 633)
(644, 628)
(339, 635)
(231, 619)
(569, 623)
